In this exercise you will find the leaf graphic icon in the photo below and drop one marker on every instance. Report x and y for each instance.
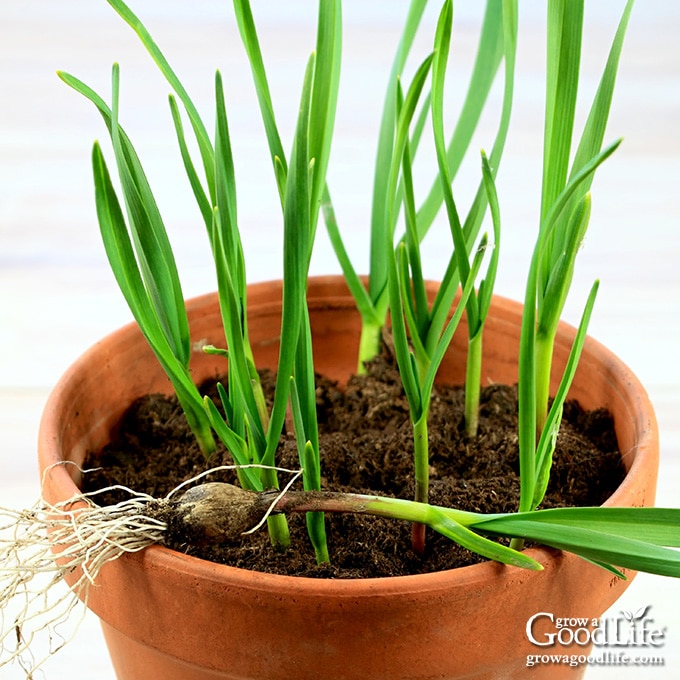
(640, 613)
(627, 615)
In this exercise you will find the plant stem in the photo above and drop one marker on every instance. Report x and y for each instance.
(216, 512)
(325, 501)
(199, 424)
(369, 343)
(279, 533)
(473, 372)
(277, 525)
(256, 384)
(316, 528)
(544, 352)
(422, 478)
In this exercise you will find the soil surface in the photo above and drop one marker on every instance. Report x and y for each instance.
(366, 446)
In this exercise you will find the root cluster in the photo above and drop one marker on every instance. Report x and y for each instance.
(40, 546)
(36, 607)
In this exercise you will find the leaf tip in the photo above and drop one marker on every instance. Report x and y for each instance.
(527, 563)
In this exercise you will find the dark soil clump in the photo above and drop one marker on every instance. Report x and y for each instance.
(366, 446)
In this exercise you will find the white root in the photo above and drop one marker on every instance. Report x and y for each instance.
(36, 605)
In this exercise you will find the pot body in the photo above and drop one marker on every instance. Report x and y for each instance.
(167, 615)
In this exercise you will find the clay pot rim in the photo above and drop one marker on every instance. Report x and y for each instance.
(166, 559)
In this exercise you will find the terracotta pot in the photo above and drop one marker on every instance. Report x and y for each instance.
(166, 615)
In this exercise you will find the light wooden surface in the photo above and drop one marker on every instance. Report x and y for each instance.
(57, 296)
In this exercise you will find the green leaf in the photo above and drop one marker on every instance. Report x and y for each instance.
(239, 429)
(415, 283)
(486, 287)
(633, 538)
(246, 25)
(444, 340)
(401, 346)
(120, 253)
(441, 54)
(324, 97)
(559, 277)
(408, 304)
(473, 221)
(202, 138)
(402, 310)
(242, 397)
(545, 444)
(156, 260)
(544, 453)
(382, 204)
(565, 26)
(448, 527)
(236, 445)
(596, 124)
(526, 390)
(357, 289)
(295, 260)
(196, 186)
(305, 378)
(492, 47)
(309, 460)
(225, 194)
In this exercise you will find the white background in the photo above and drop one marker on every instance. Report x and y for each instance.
(57, 296)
